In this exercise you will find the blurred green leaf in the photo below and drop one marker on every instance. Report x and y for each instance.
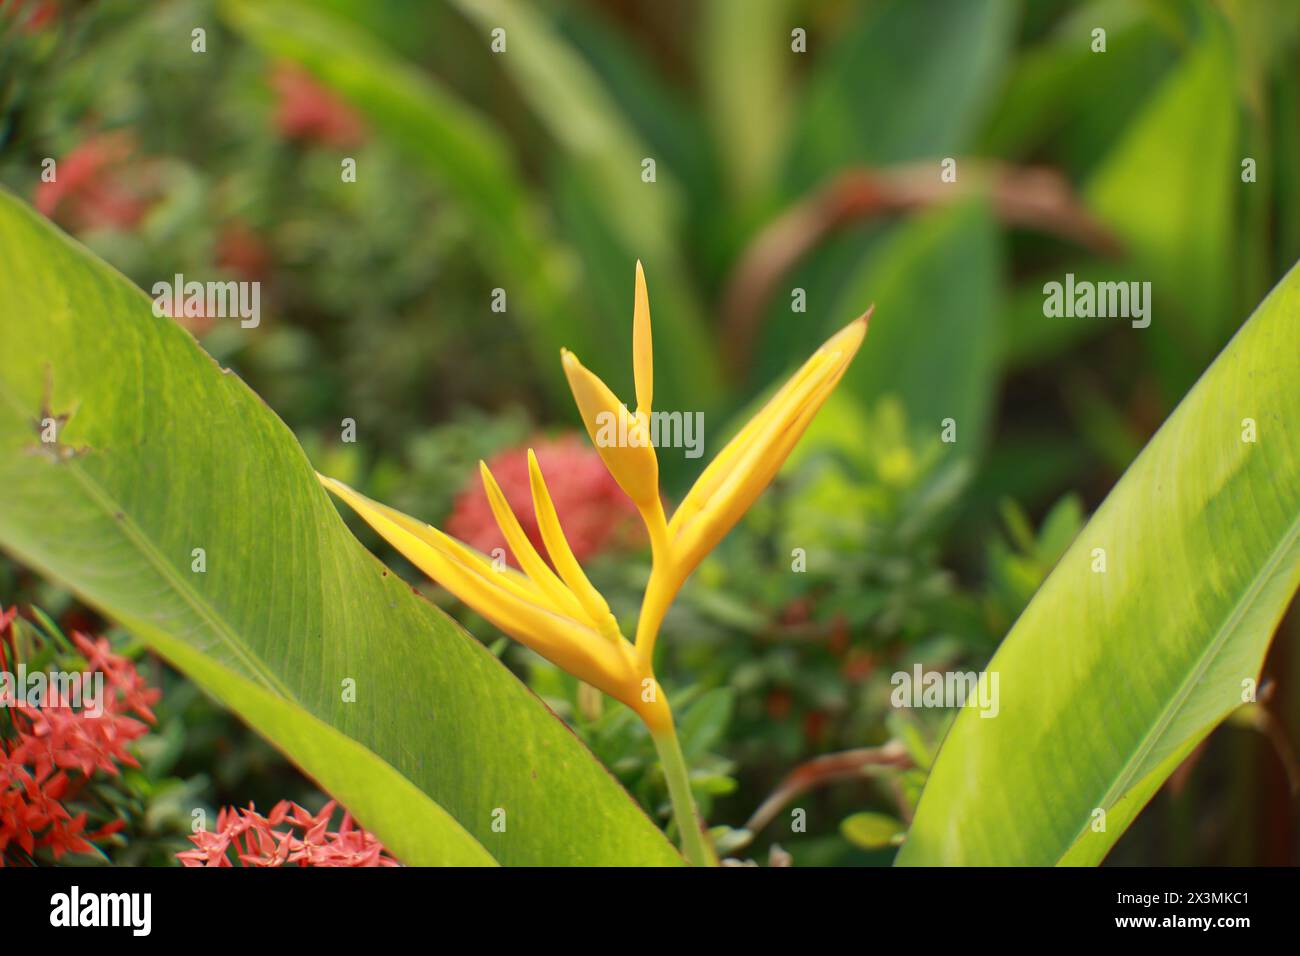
(1030, 339)
(1167, 189)
(661, 113)
(744, 55)
(824, 276)
(1059, 529)
(1031, 466)
(1286, 159)
(705, 722)
(907, 730)
(1265, 34)
(1122, 673)
(872, 831)
(1060, 94)
(905, 81)
(685, 368)
(409, 28)
(1102, 425)
(934, 334)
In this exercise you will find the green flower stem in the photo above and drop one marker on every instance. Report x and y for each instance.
(695, 845)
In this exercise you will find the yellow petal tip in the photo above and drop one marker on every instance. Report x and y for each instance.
(847, 339)
(642, 346)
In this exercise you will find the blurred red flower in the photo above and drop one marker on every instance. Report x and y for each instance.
(310, 113)
(593, 510)
(242, 251)
(31, 14)
(246, 838)
(96, 186)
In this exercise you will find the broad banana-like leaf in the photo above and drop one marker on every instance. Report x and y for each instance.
(174, 500)
(1149, 632)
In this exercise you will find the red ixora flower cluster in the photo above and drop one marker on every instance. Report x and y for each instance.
(246, 838)
(55, 748)
(593, 510)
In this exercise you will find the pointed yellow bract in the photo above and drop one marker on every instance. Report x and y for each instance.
(558, 613)
(643, 363)
(749, 462)
(621, 438)
(525, 554)
(557, 546)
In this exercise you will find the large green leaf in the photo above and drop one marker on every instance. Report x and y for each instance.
(1110, 678)
(162, 453)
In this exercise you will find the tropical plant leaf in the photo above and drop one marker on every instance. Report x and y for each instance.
(162, 453)
(1110, 678)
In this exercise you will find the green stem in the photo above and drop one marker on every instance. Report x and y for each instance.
(695, 845)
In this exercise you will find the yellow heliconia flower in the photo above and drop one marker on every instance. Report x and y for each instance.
(553, 608)
(558, 613)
